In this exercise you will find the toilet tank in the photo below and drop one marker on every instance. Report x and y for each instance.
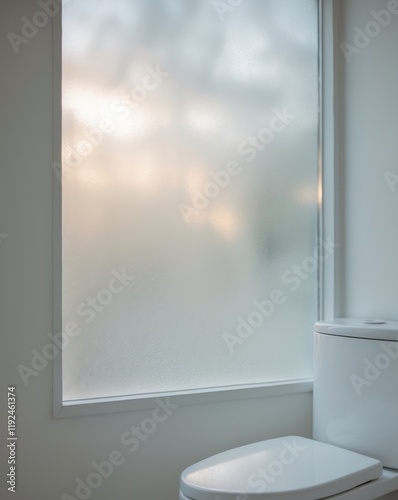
(356, 386)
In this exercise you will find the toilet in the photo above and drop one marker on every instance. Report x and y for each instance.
(354, 451)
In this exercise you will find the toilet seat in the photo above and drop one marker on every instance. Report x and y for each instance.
(287, 468)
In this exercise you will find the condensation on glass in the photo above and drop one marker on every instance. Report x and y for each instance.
(189, 194)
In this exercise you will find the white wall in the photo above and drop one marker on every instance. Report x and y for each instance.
(52, 453)
(370, 83)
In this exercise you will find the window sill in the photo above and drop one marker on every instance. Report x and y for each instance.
(95, 406)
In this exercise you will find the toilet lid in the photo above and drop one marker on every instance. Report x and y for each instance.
(287, 468)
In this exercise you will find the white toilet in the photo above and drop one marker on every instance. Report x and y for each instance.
(354, 453)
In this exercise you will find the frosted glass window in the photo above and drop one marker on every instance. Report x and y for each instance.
(189, 194)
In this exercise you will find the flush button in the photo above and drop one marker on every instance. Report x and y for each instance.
(374, 322)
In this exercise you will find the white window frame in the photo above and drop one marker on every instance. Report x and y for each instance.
(328, 220)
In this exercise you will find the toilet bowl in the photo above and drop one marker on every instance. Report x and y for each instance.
(354, 453)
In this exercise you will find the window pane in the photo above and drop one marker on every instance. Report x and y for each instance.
(189, 162)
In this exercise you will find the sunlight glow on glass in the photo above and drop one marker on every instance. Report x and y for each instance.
(165, 180)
